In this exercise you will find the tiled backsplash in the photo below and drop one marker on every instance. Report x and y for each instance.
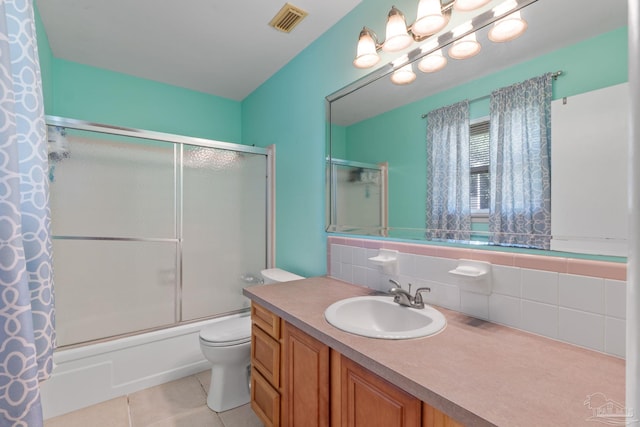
(577, 301)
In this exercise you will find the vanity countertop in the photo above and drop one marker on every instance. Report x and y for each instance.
(477, 372)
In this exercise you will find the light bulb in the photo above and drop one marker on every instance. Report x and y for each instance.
(433, 62)
(397, 37)
(403, 75)
(508, 28)
(465, 47)
(366, 53)
(430, 19)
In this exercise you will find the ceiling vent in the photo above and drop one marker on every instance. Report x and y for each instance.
(288, 17)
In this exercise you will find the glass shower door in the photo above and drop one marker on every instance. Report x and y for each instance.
(224, 234)
(114, 236)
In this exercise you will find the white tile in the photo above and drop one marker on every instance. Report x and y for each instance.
(346, 254)
(335, 253)
(541, 286)
(475, 305)
(407, 264)
(359, 275)
(346, 272)
(335, 269)
(448, 296)
(581, 328)
(506, 280)
(440, 273)
(505, 310)
(424, 266)
(581, 292)
(540, 318)
(614, 339)
(374, 280)
(615, 297)
(360, 257)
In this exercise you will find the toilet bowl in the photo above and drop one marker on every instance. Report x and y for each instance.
(226, 344)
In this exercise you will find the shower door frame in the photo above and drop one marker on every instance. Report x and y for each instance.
(179, 142)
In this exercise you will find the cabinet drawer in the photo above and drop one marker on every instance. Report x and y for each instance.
(265, 400)
(265, 355)
(269, 322)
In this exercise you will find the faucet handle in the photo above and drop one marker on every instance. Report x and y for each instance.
(418, 298)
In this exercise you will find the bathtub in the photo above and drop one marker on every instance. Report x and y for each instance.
(95, 373)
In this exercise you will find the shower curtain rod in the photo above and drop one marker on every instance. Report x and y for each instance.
(553, 75)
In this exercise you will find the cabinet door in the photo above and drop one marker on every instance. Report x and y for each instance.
(367, 400)
(305, 397)
(431, 417)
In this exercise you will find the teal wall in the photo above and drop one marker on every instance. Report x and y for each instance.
(289, 110)
(93, 94)
(97, 95)
(399, 136)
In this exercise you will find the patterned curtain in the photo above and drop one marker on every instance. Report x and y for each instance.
(520, 168)
(26, 289)
(448, 210)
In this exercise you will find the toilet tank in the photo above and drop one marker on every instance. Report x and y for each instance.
(276, 275)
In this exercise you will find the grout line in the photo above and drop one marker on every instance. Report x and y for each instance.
(129, 412)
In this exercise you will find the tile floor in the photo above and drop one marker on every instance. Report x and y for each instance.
(180, 403)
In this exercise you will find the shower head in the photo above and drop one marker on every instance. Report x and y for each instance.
(57, 143)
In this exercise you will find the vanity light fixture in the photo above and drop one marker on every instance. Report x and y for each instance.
(366, 52)
(508, 28)
(397, 35)
(468, 5)
(464, 48)
(430, 18)
(433, 62)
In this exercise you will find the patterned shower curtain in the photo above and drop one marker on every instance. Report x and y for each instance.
(520, 168)
(27, 335)
(448, 205)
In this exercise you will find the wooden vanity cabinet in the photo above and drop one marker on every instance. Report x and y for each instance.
(265, 366)
(363, 399)
(298, 381)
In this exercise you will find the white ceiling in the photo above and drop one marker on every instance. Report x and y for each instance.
(224, 48)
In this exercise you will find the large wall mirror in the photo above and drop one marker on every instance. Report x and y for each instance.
(376, 150)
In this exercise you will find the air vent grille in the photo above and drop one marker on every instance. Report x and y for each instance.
(288, 17)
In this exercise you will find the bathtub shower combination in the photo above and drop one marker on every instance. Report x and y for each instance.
(154, 237)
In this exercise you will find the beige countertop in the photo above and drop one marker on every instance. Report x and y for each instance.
(477, 372)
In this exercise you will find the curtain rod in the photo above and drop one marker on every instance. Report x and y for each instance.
(553, 75)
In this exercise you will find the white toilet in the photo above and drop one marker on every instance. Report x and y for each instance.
(227, 345)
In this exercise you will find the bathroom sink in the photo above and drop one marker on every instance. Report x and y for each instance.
(380, 317)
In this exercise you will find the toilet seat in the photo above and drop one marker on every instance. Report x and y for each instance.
(227, 332)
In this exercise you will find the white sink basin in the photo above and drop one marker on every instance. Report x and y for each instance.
(380, 317)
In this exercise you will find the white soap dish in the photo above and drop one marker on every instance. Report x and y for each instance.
(387, 259)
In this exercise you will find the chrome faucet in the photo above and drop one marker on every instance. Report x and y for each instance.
(404, 298)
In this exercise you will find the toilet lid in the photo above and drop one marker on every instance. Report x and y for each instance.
(232, 331)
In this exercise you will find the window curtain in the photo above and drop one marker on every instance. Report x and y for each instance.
(520, 168)
(26, 288)
(448, 210)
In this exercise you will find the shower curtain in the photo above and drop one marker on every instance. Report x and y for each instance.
(27, 336)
